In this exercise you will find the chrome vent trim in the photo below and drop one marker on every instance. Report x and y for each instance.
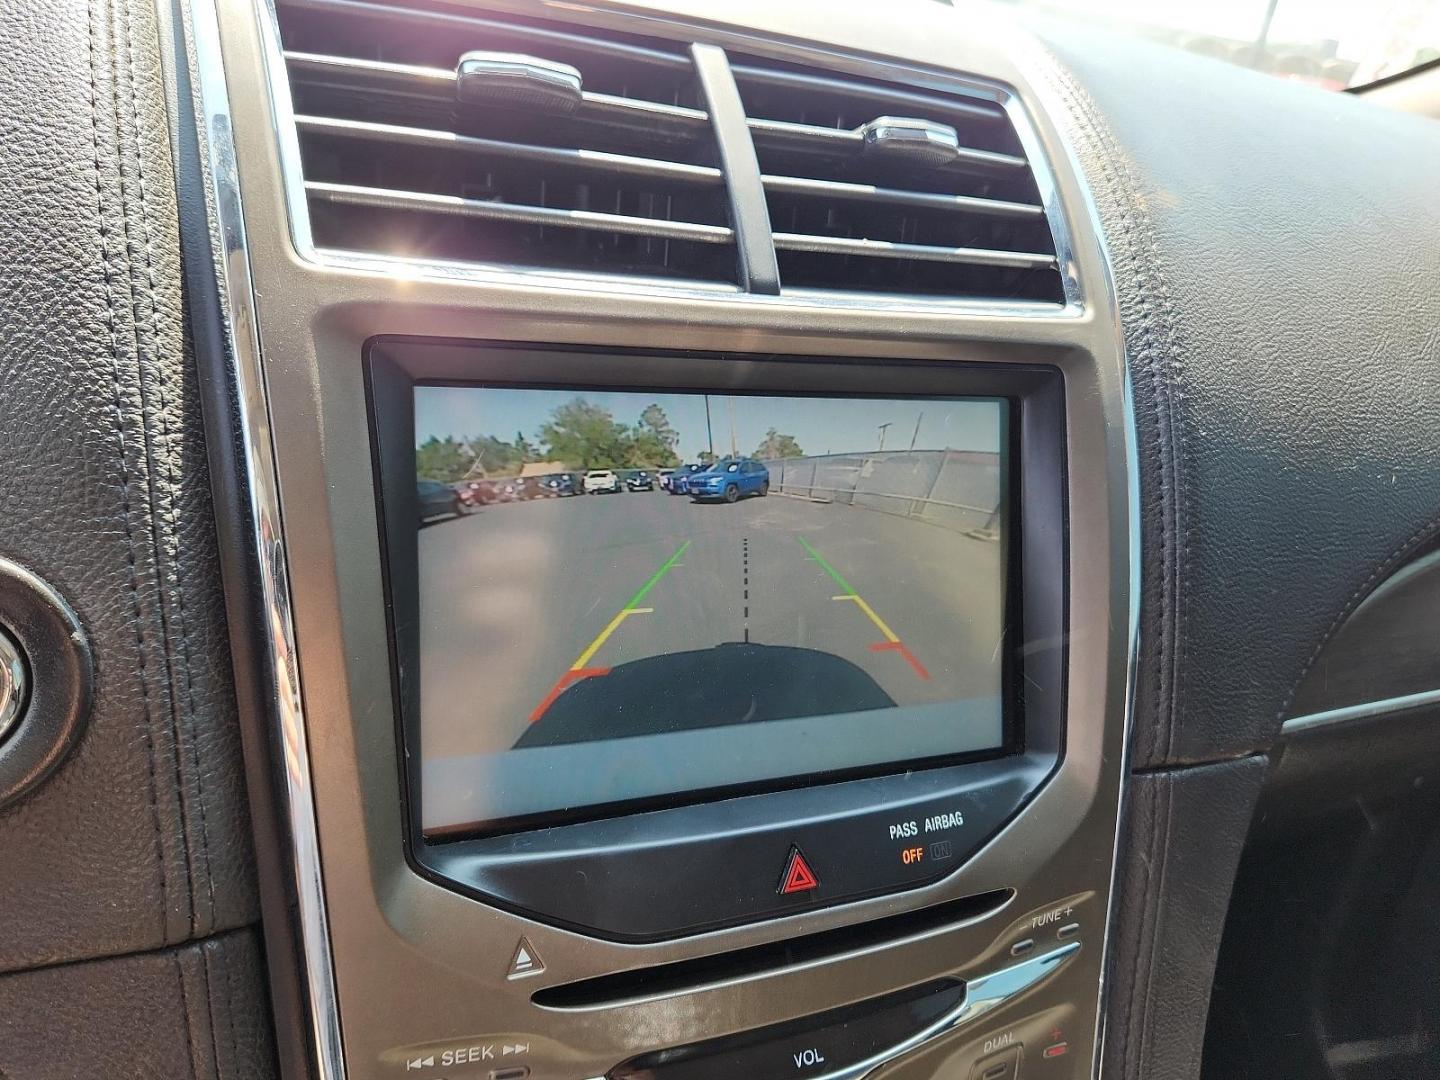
(1000, 225)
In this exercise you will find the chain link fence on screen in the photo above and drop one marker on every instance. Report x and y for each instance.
(954, 489)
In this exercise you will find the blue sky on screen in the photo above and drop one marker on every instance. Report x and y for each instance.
(821, 426)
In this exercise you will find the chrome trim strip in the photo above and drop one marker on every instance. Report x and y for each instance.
(1366, 710)
(884, 249)
(869, 193)
(282, 118)
(242, 341)
(425, 202)
(624, 164)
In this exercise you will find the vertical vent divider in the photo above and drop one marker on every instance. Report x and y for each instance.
(749, 212)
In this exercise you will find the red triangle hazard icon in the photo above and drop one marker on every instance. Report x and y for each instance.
(798, 876)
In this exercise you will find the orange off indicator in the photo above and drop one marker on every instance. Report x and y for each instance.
(912, 855)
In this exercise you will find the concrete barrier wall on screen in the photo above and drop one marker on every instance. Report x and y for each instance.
(955, 489)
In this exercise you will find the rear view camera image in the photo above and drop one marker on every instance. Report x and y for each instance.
(627, 595)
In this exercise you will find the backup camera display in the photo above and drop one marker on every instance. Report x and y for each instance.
(630, 595)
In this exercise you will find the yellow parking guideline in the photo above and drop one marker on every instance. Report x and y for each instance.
(594, 646)
(890, 635)
(629, 609)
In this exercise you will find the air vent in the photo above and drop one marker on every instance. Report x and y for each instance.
(627, 181)
(442, 134)
(883, 188)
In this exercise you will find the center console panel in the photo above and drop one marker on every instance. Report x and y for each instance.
(907, 915)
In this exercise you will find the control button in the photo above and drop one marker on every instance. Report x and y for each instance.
(1055, 1050)
(526, 961)
(1069, 930)
(1002, 1066)
(1020, 948)
(798, 877)
(815, 1046)
(514, 1072)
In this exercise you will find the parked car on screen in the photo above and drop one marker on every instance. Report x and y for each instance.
(437, 500)
(602, 482)
(557, 485)
(681, 477)
(640, 480)
(662, 478)
(729, 480)
(479, 492)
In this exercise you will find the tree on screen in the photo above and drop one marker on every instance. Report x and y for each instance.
(706, 457)
(446, 460)
(586, 436)
(653, 441)
(776, 445)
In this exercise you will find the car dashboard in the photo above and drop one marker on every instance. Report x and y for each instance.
(662, 541)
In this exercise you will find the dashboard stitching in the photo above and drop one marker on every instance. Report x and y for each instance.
(205, 968)
(146, 337)
(187, 1021)
(229, 969)
(134, 582)
(1122, 186)
(171, 492)
(1418, 539)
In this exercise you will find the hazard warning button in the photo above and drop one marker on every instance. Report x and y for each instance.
(798, 877)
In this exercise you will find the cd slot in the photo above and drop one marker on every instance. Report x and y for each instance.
(687, 976)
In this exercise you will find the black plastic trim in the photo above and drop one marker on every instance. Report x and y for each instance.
(749, 212)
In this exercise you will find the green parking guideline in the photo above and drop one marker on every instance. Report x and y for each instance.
(655, 578)
(839, 580)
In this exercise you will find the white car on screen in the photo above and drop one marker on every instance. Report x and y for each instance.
(602, 481)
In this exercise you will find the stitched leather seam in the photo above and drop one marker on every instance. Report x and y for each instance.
(230, 1009)
(1108, 162)
(187, 1021)
(1416, 540)
(1138, 1029)
(186, 661)
(205, 964)
(134, 578)
(144, 344)
(1159, 908)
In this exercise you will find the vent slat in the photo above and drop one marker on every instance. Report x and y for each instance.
(883, 98)
(839, 245)
(440, 83)
(385, 199)
(397, 134)
(477, 24)
(869, 193)
(782, 134)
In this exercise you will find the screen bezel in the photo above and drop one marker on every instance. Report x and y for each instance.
(1033, 532)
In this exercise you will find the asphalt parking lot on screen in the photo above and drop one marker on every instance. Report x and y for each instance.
(567, 620)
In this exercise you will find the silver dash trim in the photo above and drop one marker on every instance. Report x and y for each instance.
(424, 202)
(1368, 710)
(242, 344)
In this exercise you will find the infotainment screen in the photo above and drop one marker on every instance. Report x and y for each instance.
(628, 596)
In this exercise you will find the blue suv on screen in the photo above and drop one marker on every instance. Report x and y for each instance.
(680, 479)
(729, 480)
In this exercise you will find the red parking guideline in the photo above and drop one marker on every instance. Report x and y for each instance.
(562, 684)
